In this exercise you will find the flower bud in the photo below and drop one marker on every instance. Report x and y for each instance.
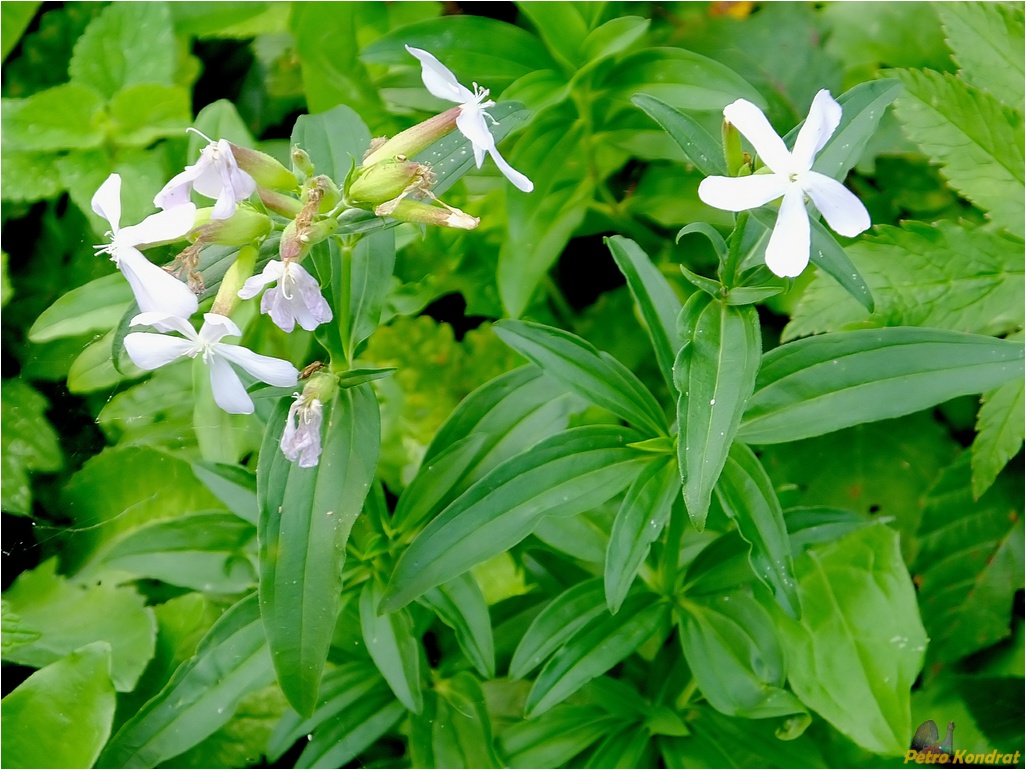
(228, 292)
(242, 227)
(732, 151)
(297, 239)
(415, 211)
(324, 190)
(285, 205)
(411, 141)
(265, 170)
(387, 180)
(301, 162)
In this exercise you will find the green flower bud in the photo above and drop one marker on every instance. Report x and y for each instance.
(227, 298)
(413, 140)
(324, 190)
(386, 180)
(265, 170)
(297, 239)
(301, 162)
(732, 151)
(242, 227)
(285, 205)
(421, 213)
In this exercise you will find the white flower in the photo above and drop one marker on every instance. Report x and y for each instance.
(215, 175)
(156, 291)
(150, 351)
(787, 253)
(297, 297)
(302, 437)
(471, 121)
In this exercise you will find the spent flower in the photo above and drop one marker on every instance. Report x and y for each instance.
(215, 175)
(301, 440)
(297, 297)
(792, 178)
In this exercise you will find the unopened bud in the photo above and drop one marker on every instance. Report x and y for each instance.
(422, 213)
(285, 205)
(228, 292)
(267, 171)
(297, 240)
(732, 151)
(388, 180)
(323, 190)
(242, 227)
(301, 162)
(411, 141)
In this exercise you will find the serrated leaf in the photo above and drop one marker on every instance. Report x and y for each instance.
(143, 113)
(29, 176)
(821, 384)
(14, 632)
(65, 117)
(978, 141)
(999, 434)
(393, 647)
(986, 41)
(29, 443)
(970, 562)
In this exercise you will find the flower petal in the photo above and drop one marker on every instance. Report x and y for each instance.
(824, 117)
(163, 227)
(166, 322)
(107, 201)
(787, 252)
(254, 285)
(312, 308)
(751, 122)
(743, 192)
(840, 207)
(229, 392)
(438, 79)
(150, 351)
(176, 192)
(275, 305)
(471, 123)
(273, 371)
(155, 290)
(519, 181)
(216, 326)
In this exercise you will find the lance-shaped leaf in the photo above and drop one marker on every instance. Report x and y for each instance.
(461, 606)
(715, 376)
(455, 729)
(701, 149)
(232, 485)
(642, 516)
(594, 375)
(556, 737)
(393, 647)
(231, 661)
(747, 495)
(595, 649)
(654, 298)
(565, 474)
(360, 279)
(431, 488)
(822, 384)
(306, 515)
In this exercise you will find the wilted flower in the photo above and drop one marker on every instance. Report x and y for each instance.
(297, 297)
(302, 437)
(787, 253)
(471, 121)
(215, 175)
(150, 351)
(155, 290)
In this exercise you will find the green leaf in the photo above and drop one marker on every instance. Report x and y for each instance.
(219, 119)
(747, 495)
(334, 140)
(822, 384)
(562, 475)
(613, 36)
(944, 275)
(370, 266)
(15, 633)
(432, 488)
(733, 651)
(595, 376)
(596, 648)
(143, 113)
(563, 28)
(715, 376)
(65, 117)
(29, 443)
(700, 148)
(232, 661)
(95, 306)
(68, 616)
(654, 297)
(555, 737)
(461, 606)
(454, 730)
(14, 19)
(986, 41)
(72, 698)
(29, 176)
(978, 141)
(203, 551)
(859, 646)
(999, 434)
(233, 486)
(393, 647)
(126, 45)
(626, 746)
(641, 518)
(306, 515)
(970, 562)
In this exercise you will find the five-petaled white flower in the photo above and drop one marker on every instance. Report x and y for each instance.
(156, 291)
(215, 175)
(471, 121)
(302, 437)
(787, 252)
(150, 351)
(297, 297)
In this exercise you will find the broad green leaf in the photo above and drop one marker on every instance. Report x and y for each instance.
(335, 140)
(219, 120)
(143, 113)
(822, 384)
(811, 525)
(970, 562)
(700, 148)
(94, 368)
(654, 297)
(859, 646)
(306, 515)
(977, 140)
(232, 661)
(594, 649)
(944, 275)
(747, 495)
(29, 443)
(233, 486)
(455, 729)
(68, 616)
(96, 306)
(13, 631)
(563, 475)
(393, 647)
(461, 606)
(613, 37)
(641, 518)
(558, 621)
(29, 176)
(126, 45)
(715, 376)
(14, 18)
(72, 698)
(735, 655)
(561, 26)
(593, 375)
(555, 737)
(987, 41)
(61, 118)
(203, 551)
(231, 19)
(999, 434)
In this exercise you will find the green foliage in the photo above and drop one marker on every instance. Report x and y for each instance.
(29, 444)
